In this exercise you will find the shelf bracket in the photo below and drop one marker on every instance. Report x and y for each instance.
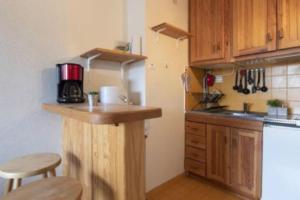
(89, 60)
(124, 82)
(158, 32)
(182, 38)
(178, 40)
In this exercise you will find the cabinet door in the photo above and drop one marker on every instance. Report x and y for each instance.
(288, 23)
(245, 162)
(218, 153)
(254, 26)
(207, 25)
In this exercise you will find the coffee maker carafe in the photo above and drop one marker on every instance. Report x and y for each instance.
(70, 83)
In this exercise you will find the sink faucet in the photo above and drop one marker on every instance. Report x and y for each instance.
(246, 107)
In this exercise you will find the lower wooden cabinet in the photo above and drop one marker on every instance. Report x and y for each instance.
(196, 154)
(217, 153)
(231, 156)
(195, 167)
(245, 161)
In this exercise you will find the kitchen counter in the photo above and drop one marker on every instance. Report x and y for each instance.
(289, 120)
(234, 114)
(104, 148)
(251, 121)
(104, 114)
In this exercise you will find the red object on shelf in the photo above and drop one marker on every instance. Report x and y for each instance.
(71, 71)
(210, 79)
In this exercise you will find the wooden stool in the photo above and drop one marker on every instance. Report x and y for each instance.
(26, 166)
(55, 188)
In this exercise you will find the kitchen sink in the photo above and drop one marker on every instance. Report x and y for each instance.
(234, 113)
(243, 114)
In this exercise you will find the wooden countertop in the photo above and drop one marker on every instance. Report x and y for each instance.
(223, 120)
(104, 114)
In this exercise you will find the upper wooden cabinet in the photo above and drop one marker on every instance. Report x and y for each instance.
(209, 29)
(254, 26)
(245, 162)
(226, 31)
(218, 153)
(288, 23)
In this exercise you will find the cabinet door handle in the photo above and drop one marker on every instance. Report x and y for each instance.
(281, 33)
(213, 48)
(219, 46)
(269, 37)
(234, 142)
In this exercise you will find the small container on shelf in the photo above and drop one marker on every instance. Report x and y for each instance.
(272, 111)
(276, 108)
(93, 98)
(283, 111)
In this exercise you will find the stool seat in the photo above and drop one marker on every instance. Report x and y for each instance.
(55, 188)
(30, 165)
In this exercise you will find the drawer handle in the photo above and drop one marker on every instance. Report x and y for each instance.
(194, 129)
(194, 168)
(194, 155)
(194, 142)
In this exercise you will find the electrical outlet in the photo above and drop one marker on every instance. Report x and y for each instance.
(219, 79)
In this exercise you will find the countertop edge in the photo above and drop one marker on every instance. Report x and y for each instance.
(259, 119)
(104, 117)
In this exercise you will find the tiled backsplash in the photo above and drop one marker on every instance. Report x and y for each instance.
(282, 80)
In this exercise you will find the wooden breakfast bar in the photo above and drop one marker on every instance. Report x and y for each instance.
(104, 148)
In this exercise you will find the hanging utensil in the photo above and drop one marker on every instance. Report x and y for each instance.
(236, 87)
(253, 90)
(258, 80)
(246, 90)
(240, 89)
(250, 79)
(264, 87)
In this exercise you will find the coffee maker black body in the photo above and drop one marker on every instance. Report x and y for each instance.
(70, 83)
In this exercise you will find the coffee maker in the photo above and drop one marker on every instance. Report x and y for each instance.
(70, 83)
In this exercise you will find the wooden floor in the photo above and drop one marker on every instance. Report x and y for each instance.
(186, 188)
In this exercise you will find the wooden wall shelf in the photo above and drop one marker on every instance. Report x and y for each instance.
(171, 31)
(113, 55)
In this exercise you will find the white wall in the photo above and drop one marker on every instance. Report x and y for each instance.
(135, 30)
(165, 145)
(34, 36)
(159, 86)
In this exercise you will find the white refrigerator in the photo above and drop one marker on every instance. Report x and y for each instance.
(281, 163)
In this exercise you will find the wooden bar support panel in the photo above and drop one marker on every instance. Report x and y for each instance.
(108, 160)
(104, 148)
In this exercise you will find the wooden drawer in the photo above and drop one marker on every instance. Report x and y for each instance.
(195, 128)
(195, 154)
(195, 141)
(195, 167)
